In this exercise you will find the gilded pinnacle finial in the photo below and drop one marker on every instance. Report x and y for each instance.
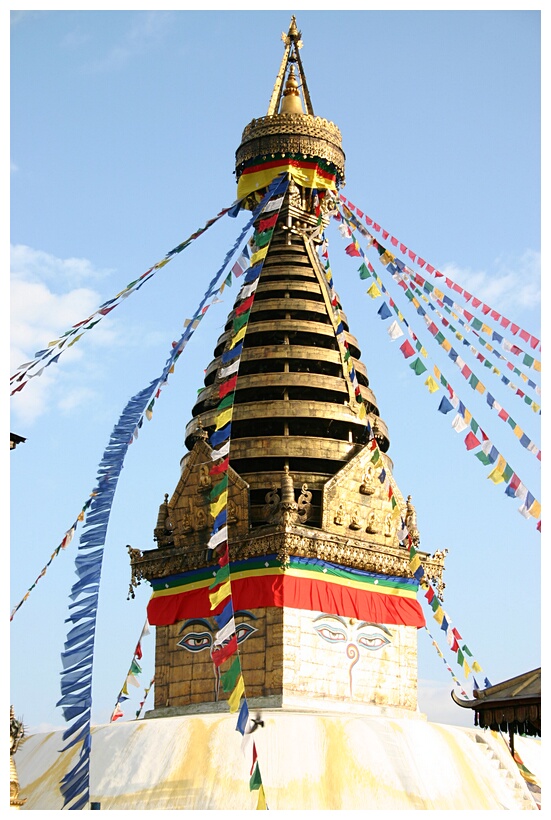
(293, 35)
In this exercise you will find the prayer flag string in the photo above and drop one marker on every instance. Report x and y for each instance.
(74, 334)
(488, 454)
(131, 678)
(515, 329)
(221, 599)
(77, 659)
(66, 540)
(393, 265)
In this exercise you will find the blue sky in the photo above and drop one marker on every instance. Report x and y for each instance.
(124, 127)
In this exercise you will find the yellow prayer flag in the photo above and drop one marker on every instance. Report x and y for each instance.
(374, 291)
(363, 411)
(438, 293)
(238, 336)
(437, 373)
(467, 415)
(496, 476)
(524, 377)
(218, 505)
(480, 388)
(518, 431)
(148, 415)
(439, 615)
(415, 302)
(476, 667)
(432, 385)
(446, 345)
(537, 365)
(53, 344)
(486, 329)
(161, 264)
(235, 697)
(224, 417)
(535, 407)
(386, 258)
(414, 563)
(256, 257)
(423, 352)
(261, 805)
(220, 594)
(535, 509)
(466, 669)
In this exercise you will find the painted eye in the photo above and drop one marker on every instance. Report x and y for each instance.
(372, 642)
(329, 634)
(196, 641)
(244, 631)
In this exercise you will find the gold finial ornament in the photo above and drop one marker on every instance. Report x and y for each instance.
(291, 103)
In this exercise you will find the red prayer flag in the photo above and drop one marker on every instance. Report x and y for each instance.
(485, 309)
(220, 468)
(504, 322)
(403, 247)
(467, 295)
(515, 329)
(524, 335)
(385, 234)
(437, 273)
(503, 414)
(352, 250)
(429, 594)
(430, 268)
(394, 241)
(224, 555)
(476, 302)
(244, 306)
(369, 220)
(420, 261)
(468, 316)
(407, 349)
(411, 255)
(221, 653)
(456, 633)
(471, 441)
(227, 387)
(376, 227)
(495, 315)
(265, 224)
(138, 651)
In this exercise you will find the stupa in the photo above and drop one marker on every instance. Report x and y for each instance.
(324, 605)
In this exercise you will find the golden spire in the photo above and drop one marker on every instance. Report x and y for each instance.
(291, 103)
(290, 56)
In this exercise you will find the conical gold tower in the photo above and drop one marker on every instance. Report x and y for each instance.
(313, 510)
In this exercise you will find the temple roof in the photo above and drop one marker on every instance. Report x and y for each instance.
(512, 705)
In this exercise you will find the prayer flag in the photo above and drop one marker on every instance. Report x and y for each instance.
(235, 697)
(432, 385)
(394, 331)
(471, 441)
(374, 291)
(384, 311)
(407, 349)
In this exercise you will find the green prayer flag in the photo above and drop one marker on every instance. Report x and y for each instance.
(507, 473)
(439, 337)
(227, 401)
(255, 781)
(393, 502)
(364, 273)
(476, 324)
(528, 360)
(135, 668)
(460, 658)
(222, 575)
(262, 239)
(418, 367)
(511, 422)
(376, 456)
(219, 487)
(240, 321)
(481, 456)
(229, 679)
(435, 603)
(474, 426)
(487, 363)
(473, 381)
(467, 650)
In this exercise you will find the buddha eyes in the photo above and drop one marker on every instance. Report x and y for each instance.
(196, 641)
(330, 634)
(334, 634)
(372, 641)
(243, 631)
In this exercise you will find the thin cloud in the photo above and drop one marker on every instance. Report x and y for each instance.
(510, 284)
(39, 314)
(148, 31)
